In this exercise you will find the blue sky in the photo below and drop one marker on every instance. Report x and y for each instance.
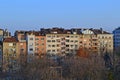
(36, 14)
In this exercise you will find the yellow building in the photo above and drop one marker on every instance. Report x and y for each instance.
(62, 43)
(10, 55)
(98, 40)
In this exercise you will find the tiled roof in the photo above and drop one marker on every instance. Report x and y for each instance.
(10, 40)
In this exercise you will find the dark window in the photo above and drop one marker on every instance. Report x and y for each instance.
(31, 38)
(31, 49)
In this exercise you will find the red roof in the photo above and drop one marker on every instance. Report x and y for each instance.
(10, 40)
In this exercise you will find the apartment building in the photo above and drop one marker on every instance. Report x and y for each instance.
(89, 40)
(40, 45)
(7, 34)
(1, 44)
(97, 41)
(10, 55)
(116, 37)
(60, 41)
(105, 41)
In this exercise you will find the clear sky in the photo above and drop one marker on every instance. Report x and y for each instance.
(36, 14)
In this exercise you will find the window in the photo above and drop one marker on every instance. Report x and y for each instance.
(102, 37)
(76, 36)
(71, 36)
(21, 50)
(14, 44)
(42, 38)
(48, 50)
(67, 49)
(109, 45)
(31, 44)
(67, 45)
(76, 41)
(109, 37)
(67, 40)
(57, 36)
(71, 45)
(53, 45)
(76, 46)
(67, 36)
(71, 41)
(96, 44)
(10, 44)
(37, 49)
(42, 43)
(31, 38)
(58, 40)
(53, 50)
(36, 38)
(57, 45)
(31, 49)
(58, 50)
(80, 41)
(36, 44)
(48, 40)
(49, 45)
(53, 40)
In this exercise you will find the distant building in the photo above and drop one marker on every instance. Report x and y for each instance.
(6, 33)
(1, 34)
(116, 33)
(1, 46)
(62, 42)
(10, 55)
(40, 45)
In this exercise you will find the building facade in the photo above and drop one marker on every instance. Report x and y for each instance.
(10, 55)
(116, 37)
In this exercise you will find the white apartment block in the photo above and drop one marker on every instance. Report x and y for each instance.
(31, 44)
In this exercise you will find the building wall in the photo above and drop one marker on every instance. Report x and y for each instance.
(31, 44)
(116, 38)
(105, 43)
(62, 43)
(40, 44)
(22, 51)
(21, 37)
(1, 35)
(52, 44)
(10, 56)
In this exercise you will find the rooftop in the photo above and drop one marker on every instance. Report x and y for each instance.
(11, 39)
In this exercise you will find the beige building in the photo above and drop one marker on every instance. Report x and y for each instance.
(98, 41)
(62, 43)
(105, 43)
(10, 55)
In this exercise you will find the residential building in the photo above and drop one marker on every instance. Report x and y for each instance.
(97, 41)
(105, 41)
(30, 46)
(1, 44)
(10, 55)
(116, 36)
(60, 41)
(22, 46)
(7, 33)
(40, 45)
